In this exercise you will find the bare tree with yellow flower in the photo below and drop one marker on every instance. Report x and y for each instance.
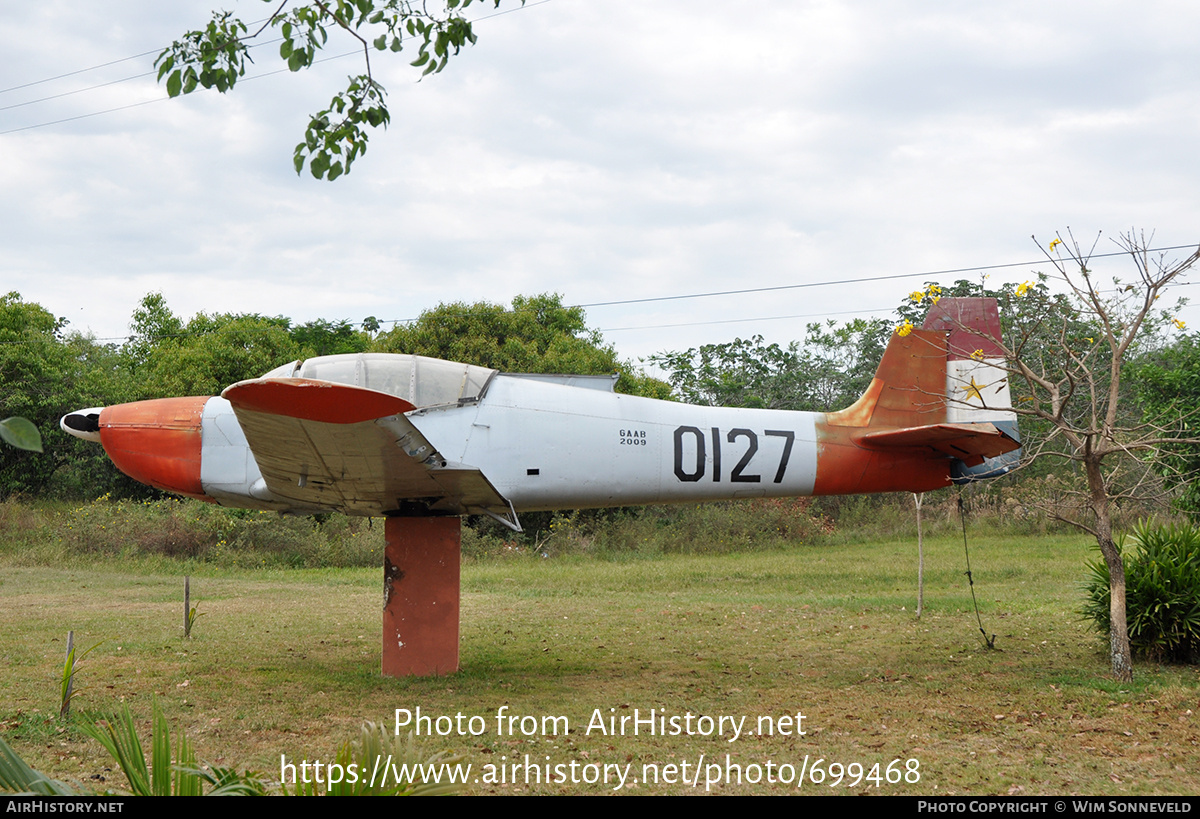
(1069, 338)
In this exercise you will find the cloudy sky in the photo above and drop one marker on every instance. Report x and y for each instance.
(607, 150)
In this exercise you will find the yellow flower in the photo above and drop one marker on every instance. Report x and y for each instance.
(977, 355)
(905, 328)
(916, 295)
(935, 299)
(1179, 324)
(1091, 340)
(1055, 244)
(1023, 288)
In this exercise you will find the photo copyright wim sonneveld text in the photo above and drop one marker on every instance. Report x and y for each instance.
(709, 771)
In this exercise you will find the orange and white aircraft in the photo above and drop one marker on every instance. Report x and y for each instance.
(420, 441)
(401, 435)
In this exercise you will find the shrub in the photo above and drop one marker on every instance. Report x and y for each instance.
(205, 532)
(1162, 592)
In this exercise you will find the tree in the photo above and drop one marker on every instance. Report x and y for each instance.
(204, 356)
(100, 376)
(829, 370)
(1067, 358)
(537, 335)
(321, 337)
(842, 359)
(152, 325)
(1168, 390)
(739, 373)
(216, 57)
(46, 372)
(36, 372)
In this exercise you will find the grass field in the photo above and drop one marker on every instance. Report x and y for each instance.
(286, 662)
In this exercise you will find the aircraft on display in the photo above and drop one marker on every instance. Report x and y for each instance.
(405, 435)
(422, 441)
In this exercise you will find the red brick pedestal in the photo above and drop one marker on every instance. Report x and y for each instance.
(420, 596)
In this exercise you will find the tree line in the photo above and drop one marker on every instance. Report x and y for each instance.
(48, 369)
(1103, 379)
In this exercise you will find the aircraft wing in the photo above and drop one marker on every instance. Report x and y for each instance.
(970, 443)
(321, 444)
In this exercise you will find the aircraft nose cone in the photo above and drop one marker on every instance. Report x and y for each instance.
(156, 442)
(84, 423)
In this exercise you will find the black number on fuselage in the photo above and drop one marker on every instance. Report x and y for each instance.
(690, 477)
(789, 438)
(736, 476)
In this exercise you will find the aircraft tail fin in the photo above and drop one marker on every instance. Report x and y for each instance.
(977, 384)
(941, 390)
(908, 387)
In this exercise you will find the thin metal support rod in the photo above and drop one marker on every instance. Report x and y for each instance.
(962, 514)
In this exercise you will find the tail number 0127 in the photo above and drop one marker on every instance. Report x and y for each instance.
(697, 462)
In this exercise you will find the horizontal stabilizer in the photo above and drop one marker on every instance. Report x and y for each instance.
(969, 443)
(322, 445)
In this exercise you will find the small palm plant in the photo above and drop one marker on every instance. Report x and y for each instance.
(70, 666)
(17, 777)
(167, 774)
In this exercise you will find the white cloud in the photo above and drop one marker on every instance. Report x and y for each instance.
(604, 151)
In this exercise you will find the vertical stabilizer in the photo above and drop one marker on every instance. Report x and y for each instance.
(977, 385)
(937, 411)
(907, 388)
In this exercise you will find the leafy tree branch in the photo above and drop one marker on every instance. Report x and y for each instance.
(216, 57)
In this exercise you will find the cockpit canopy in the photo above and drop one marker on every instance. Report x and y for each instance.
(423, 382)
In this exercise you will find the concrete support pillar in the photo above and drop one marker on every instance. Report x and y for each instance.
(420, 596)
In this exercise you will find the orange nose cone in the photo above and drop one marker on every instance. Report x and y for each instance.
(157, 442)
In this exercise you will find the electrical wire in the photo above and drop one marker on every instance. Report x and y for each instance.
(825, 314)
(948, 272)
(150, 73)
(78, 71)
(929, 274)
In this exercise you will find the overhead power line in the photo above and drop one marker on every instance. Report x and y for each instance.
(929, 274)
(76, 91)
(97, 67)
(949, 272)
(79, 71)
(822, 314)
(149, 73)
(158, 99)
(133, 77)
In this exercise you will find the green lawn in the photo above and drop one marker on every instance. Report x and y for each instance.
(286, 662)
